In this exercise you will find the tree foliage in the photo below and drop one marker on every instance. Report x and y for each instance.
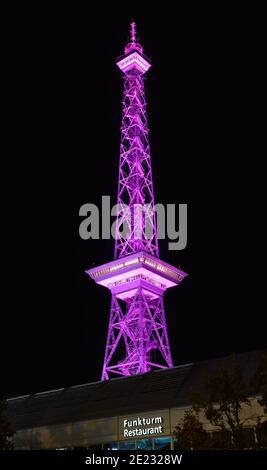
(226, 395)
(190, 432)
(222, 396)
(260, 381)
(261, 430)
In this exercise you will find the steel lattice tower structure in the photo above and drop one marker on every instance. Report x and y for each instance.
(137, 339)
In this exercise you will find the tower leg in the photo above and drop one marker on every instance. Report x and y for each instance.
(139, 333)
(114, 334)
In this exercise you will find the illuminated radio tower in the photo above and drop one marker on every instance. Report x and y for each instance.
(137, 339)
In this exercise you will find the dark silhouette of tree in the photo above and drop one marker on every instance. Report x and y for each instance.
(261, 431)
(190, 432)
(226, 394)
(259, 381)
(6, 432)
(222, 396)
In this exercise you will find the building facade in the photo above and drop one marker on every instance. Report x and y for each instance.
(137, 412)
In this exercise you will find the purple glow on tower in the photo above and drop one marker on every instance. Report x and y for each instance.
(133, 44)
(137, 339)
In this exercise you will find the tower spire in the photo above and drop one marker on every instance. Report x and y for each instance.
(133, 44)
(133, 31)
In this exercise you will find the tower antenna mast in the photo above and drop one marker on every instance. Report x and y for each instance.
(133, 32)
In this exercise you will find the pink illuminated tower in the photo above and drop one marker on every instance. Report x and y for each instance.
(137, 339)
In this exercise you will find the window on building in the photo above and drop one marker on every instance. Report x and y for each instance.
(248, 438)
(261, 432)
(111, 446)
(221, 439)
(95, 447)
(162, 443)
(127, 445)
(146, 444)
(176, 443)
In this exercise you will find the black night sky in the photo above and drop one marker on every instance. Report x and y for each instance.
(64, 98)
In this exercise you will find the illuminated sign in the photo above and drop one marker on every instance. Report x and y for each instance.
(142, 426)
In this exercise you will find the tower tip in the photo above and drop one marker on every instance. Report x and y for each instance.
(133, 31)
(133, 44)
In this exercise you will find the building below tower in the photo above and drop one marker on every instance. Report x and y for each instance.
(135, 412)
